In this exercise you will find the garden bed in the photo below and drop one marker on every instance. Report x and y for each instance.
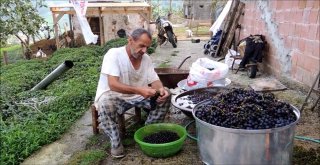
(31, 119)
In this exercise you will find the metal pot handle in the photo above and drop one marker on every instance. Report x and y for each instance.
(183, 62)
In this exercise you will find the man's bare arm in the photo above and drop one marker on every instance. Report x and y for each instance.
(156, 85)
(117, 86)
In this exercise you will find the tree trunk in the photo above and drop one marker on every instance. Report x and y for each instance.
(26, 49)
(33, 39)
(5, 57)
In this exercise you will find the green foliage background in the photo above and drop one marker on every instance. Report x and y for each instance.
(25, 129)
(19, 16)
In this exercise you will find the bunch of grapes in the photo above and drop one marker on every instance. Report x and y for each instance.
(197, 97)
(161, 137)
(246, 109)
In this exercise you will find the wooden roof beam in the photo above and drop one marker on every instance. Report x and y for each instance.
(60, 15)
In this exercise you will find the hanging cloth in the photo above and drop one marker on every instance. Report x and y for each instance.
(80, 6)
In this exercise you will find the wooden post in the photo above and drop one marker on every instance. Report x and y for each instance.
(5, 57)
(226, 27)
(101, 27)
(310, 91)
(56, 35)
(95, 122)
(71, 30)
(232, 29)
(56, 17)
(122, 126)
(137, 115)
(149, 17)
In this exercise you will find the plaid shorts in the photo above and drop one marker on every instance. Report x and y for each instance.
(110, 103)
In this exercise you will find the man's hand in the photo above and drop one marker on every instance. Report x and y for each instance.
(117, 86)
(147, 92)
(164, 94)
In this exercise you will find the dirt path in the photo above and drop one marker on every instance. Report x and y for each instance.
(168, 56)
(60, 151)
(76, 140)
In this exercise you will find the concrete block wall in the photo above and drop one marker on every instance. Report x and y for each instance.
(292, 31)
(127, 22)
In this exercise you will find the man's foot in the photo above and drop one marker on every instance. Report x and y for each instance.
(118, 152)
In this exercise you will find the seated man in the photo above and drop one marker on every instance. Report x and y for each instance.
(125, 77)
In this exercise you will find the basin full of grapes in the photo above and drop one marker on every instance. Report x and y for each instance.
(161, 139)
(241, 126)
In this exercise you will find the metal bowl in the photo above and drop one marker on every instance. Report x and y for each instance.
(218, 83)
(181, 102)
(171, 76)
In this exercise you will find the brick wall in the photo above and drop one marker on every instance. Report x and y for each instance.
(292, 31)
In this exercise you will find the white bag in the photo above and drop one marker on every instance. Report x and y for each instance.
(229, 60)
(200, 71)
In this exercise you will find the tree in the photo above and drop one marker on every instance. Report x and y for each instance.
(21, 19)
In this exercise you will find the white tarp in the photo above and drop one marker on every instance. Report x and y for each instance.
(216, 25)
(80, 6)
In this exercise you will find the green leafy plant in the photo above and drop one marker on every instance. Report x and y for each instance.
(20, 18)
(123, 41)
(89, 157)
(114, 43)
(31, 119)
(151, 50)
(153, 46)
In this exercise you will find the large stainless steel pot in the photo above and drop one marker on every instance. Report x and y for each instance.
(220, 145)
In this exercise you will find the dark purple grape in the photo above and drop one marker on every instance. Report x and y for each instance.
(161, 137)
(245, 109)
